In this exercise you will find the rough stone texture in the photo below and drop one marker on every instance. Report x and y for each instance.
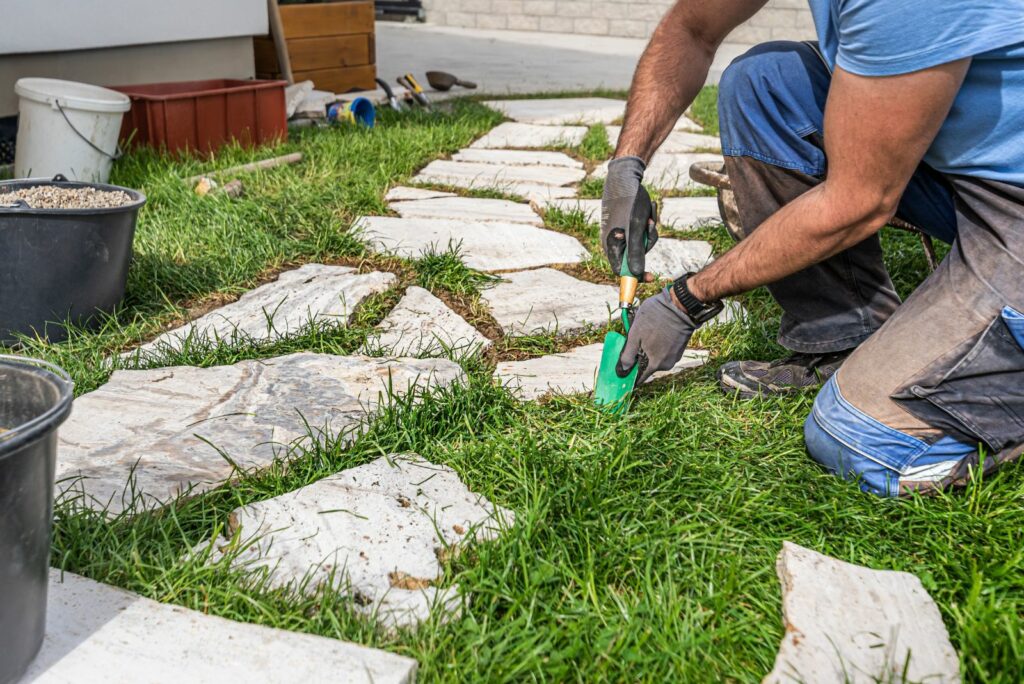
(546, 300)
(676, 142)
(573, 372)
(516, 158)
(97, 634)
(670, 258)
(311, 293)
(685, 213)
(468, 209)
(421, 324)
(572, 110)
(382, 528)
(668, 171)
(535, 192)
(513, 135)
(168, 427)
(485, 246)
(473, 175)
(403, 194)
(849, 623)
(685, 123)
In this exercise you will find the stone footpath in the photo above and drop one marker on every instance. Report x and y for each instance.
(381, 532)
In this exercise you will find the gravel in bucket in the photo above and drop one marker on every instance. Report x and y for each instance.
(54, 197)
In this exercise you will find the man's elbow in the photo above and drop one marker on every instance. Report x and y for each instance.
(863, 212)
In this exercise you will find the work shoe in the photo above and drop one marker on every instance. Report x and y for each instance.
(752, 379)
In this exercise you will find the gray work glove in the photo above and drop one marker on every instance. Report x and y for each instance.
(657, 337)
(621, 188)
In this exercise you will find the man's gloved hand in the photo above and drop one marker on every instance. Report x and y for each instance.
(657, 337)
(621, 188)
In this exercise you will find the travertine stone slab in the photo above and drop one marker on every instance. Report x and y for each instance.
(572, 110)
(516, 158)
(668, 171)
(573, 372)
(685, 123)
(511, 135)
(468, 209)
(381, 528)
(313, 293)
(97, 634)
(485, 246)
(685, 213)
(671, 258)
(421, 324)
(546, 300)
(176, 428)
(848, 623)
(404, 194)
(475, 175)
(676, 142)
(535, 192)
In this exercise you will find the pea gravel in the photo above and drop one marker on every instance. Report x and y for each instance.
(55, 197)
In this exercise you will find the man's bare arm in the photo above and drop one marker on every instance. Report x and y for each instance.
(877, 131)
(674, 67)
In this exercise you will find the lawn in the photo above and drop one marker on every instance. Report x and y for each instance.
(645, 544)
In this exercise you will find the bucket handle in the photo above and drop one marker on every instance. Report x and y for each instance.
(19, 203)
(118, 152)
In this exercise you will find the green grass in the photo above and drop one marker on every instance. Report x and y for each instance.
(644, 545)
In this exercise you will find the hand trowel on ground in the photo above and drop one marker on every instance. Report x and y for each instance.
(612, 391)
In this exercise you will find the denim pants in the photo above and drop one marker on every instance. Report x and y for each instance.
(936, 383)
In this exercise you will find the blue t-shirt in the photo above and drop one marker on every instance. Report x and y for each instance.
(983, 135)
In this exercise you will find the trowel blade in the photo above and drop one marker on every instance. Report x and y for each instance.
(610, 391)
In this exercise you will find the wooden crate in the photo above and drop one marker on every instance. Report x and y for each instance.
(331, 44)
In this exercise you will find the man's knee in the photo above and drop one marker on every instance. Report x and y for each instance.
(756, 74)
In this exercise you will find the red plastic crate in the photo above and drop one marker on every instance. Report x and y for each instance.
(204, 115)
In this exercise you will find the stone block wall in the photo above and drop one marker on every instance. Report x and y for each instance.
(778, 20)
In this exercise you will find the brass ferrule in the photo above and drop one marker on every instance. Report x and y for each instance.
(627, 290)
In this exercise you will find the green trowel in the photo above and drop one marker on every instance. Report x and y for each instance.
(611, 391)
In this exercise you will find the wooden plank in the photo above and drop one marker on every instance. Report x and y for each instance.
(341, 80)
(330, 52)
(266, 55)
(327, 19)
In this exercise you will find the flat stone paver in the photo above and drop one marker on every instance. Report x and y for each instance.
(572, 372)
(668, 171)
(484, 246)
(848, 623)
(403, 194)
(97, 634)
(313, 293)
(476, 175)
(676, 142)
(382, 528)
(685, 123)
(686, 213)
(422, 324)
(572, 110)
(671, 258)
(516, 158)
(468, 209)
(535, 192)
(176, 428)
(511, 135)
(546, 300)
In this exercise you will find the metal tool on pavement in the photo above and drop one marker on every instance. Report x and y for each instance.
(409, 81)
(442, 80)
(392, 100)
(612, 391)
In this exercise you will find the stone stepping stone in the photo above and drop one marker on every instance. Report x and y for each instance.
(534, 192)
(676, 142)
(686, 213)
(381, 528)
(546, 300)
(421, 324)
(668, 171)
(484, 246)
(178, 428)
(313, 293)
(671, 258)
(511, 135)
(685, 123)
(472, 175)
(571, 110)
(468, 209)
(404, 194)
(516, 158)
(848, 623)
(572, 372)
(96, 634)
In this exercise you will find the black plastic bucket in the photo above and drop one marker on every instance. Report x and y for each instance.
(35, 398)
(60, 265)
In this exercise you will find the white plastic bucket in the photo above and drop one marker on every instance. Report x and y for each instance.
(67, 127)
